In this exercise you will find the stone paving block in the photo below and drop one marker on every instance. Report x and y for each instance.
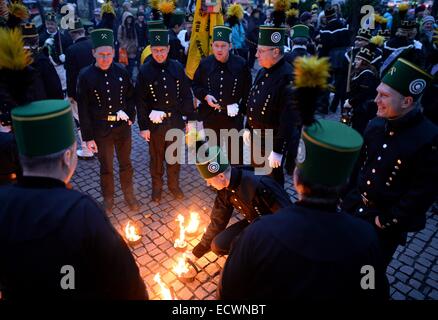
(402, 287)
(432, 283)
(407, 270)
(433, 295)
(201, 294)
(185, 294)
(416, 295)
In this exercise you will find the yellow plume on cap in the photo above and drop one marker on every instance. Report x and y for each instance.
(12, 53)
(107, 7)
(377, 40)
(403, 7)
(292, 13)
(235, 10)
(18, 10)
(294, 1)
(166, 7)
(281, 5)
(154, 3)
(311, 72)
(379, 19)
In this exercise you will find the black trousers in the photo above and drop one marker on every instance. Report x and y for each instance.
(157, 152)
(221, 244)
(340, 84)
(120, 140)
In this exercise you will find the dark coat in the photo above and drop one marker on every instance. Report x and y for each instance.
(335, 38)
(398, 175)
(176, 51)
(36, 241)
(163, 87)
(303, 253)
(228, 82)
(101, 94)
(252, 195)
(361, 98)
(270, 104)
(62, 41)
(77, 56)
(49, 77)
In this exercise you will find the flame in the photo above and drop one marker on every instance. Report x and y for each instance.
(181, 266)
(181, 242)
(131, 233)
(165, 291)
(193, 223)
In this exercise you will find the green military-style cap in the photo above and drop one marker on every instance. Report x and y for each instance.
(43, 127)
(271, 36)
(102, 37)
(51, 16)
(178, 17)
(222, 33)
(158, 37)
(213, 164)
(327, 152)
(77, 25)
(155, 24)
(407, 78)
(364, 34)
(29, 30)
(299, 31)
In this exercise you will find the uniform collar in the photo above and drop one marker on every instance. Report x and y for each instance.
(109, 70)
(295, 47)
(40, 182)
(81, 39)
(160, 65)
(276, 66)
(236, 177)
(226, 65)
(411, 118)
(320, 207)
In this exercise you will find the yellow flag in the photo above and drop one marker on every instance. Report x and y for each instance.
(200, 40)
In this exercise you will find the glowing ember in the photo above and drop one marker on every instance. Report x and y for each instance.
(193, 225)
(131, 233)
(181, 266)
(165, 291)
(180, 243)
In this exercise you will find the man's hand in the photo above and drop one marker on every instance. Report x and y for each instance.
(247, 137)
(92, 146)
(146, 134)
(157, 116)
(62, 58)
(275, 159)
(212, 102)
(190, 256)
(347, 104)
(121, 115)
(232, 109)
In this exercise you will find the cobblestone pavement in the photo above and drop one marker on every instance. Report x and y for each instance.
(413, 273)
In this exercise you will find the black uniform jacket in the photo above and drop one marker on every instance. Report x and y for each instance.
(303, 252)
(101, 93)
(44, 227)
(163, 87)
(252, 195)
(228, 82)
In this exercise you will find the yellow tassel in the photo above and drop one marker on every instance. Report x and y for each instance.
(379, 19)
(19, 10)
(311, 72)
(295, 1)
(281, 5)
(166, 7)
(107, 7)
(12, 53)
(403, 7)
(292, 13)
(154, 3)
(235, 10)
(378, 40)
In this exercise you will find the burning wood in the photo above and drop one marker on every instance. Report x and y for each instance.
(184, 271)
(193, 226)
(131, 233)
(180, 243)
(165, 292)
